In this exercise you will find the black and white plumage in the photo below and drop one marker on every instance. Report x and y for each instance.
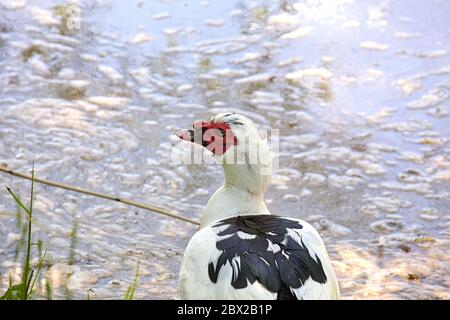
(241, 250)
(268, 254)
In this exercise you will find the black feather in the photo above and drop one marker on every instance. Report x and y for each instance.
(279, 272)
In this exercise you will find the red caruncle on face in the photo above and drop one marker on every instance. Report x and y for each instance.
(216, 137)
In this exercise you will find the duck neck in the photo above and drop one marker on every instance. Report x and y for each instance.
(241, 194)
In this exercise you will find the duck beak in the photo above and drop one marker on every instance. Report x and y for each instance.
(192, 135)
(185, 134)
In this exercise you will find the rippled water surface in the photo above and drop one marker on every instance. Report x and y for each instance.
(358, 89)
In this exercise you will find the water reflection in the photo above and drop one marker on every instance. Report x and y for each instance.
(358, 89)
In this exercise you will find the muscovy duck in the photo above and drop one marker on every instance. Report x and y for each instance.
(242, 251)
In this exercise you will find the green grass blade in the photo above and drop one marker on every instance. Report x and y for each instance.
(38, 270)
(129, 295)
(26, 279)
(48, 289)
(32, 191)
(73, 243)
(17, 200)
(25, 289)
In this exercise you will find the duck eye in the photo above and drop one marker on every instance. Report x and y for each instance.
(222, 132)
